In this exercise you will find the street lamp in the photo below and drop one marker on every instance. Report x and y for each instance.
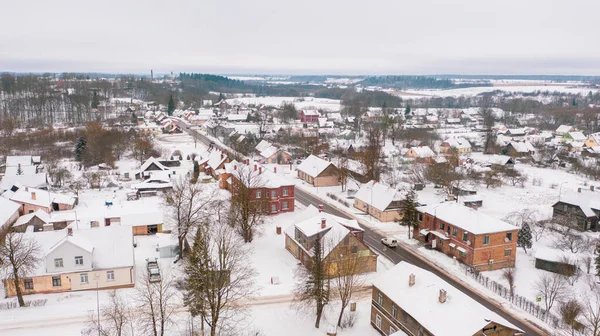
(97, 301)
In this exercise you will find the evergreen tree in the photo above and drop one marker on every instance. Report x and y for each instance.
(409, 212)
(524, 239)
(95, 100)
(221, 96)
(407, 111)
(597, 260)
(80, 148)
(133, 118)
(171, 106)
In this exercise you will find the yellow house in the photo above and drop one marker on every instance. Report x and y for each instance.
(592, 140)
(458, 145)
(319, 172)
(80, 260)
(380, 201)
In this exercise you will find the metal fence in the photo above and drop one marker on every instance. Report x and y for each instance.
(534, 309)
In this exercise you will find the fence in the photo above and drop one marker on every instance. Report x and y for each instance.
(14, 304)
(534, 309)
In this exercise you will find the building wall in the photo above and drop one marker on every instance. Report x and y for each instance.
(367, 261)
(29, 208)
(328, 178)
(382, 216)
(402, 321)
(142, 230)
(68, 251)
(590, 142)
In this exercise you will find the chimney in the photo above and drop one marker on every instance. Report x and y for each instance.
(411, 280)
(234, 167)
(275, 170)
(578, 190)
(320, 207)
(260, 170)
(26, 188)
(323, 223)
(255, 167)
(33, 196)
(442, 297)
(592, 188)
(70, 231)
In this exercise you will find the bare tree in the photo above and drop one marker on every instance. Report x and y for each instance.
(552, 288)
(523, 216)
(372, 154)
(313, 286)
(19, 257)
(492, 179)
(218, 277)
(591, 312)
(570, 311)
(115, 318)
(538, 229)
(346, 275)
(155, 305)
(571, 242)
(509, 274)
(249, 202)
(342, 165)
(189, 204)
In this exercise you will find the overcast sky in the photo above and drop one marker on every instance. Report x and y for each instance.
(302, 37)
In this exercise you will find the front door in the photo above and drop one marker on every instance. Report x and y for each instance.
(434, 243)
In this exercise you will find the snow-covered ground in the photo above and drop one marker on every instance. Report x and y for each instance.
(301, 103)
(473, 91)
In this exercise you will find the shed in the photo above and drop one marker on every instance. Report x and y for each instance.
(555, 261)
(168, 246)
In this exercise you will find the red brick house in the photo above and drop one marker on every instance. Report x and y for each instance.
(265, 185)
(475, 239)
(309, 116)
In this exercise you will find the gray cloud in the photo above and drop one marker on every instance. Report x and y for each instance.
(310, 36)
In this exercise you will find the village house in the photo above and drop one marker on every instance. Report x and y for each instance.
(564, 129)
(272, 154)
(318, 172)
(519, 149)
(573, 136)
(456, 145)
(157, 181)
(148, 167)
(473, 238)
(593, 140)
(40, 220)
(212, 162)
(338, 237)
(9, 213)
(274, 191)
(420, 154)
(32, 199)
(579, 210)
(380, 201)
(408, 300)
(309, 116)
(76, 260)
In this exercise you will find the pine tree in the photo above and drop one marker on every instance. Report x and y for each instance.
(407, 111)
(133, 118)
(171, 106)
(524, 239)
(409, 212)
(221, 96)
(597, 260)
(80, 148)
(95, 100)
(314, 287)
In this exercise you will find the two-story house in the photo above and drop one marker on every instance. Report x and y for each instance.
(319, 172)
(309, 116)
(380, 201)
(478, 240)
(272, 190)
(408, 300)
(338, 236)
(579, 210)
(32, 199)
(79, 260)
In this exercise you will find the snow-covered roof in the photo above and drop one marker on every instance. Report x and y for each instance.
(494, 159)
(550, 254)
(268, 152)
(459, 143)
(466, 218)
(8, 209)
(595, 137)
(262, 145)
(423, 151)
(577, 136)
(78, 241)
(516, 131)
(381, 195)
(152, 160)
(237, 117)
(112, 247)
(142, 218)
(563, 129)
(262, 178)
(39, 213)
(522, 147)
(42, 197)
(586, 200)
(216, 158)
(313, 166)
(25, 170)
(34, 181)
(311, 113)
(15, 161)
(421, 301)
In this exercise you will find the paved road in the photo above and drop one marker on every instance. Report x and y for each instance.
(398, 254)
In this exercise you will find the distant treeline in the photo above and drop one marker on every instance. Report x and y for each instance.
(413, 82)
(555, 78)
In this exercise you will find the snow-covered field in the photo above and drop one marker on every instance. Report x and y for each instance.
(301, 103)
(473, 91)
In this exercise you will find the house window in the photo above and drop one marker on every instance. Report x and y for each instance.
(284, 191)
(258, 194)
(509, 236)
(507, 252)
(442, 226)
(420, 217)
(354, 249)
(378, 321)
(79, 260)
(83, 278)
(463, 254)
(465, 236)
(110, 275)
(454, 232)
(284, 205)
(380, 299)
(394, 311)
(440, 242)
(273, 207)
(28, 284)
(273, 193)
(56, 281)
(486, 240)
(58, 263)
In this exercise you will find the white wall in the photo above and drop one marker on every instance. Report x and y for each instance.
(67, 251)
(123, 277)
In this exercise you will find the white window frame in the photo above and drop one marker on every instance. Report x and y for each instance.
(258, 194)
(284, 191)
(83, 278)
(77, 263)
(380, 299)
(273, 193)
(378, 321)
(58, 263)
(28, 281)
(509, 252)
(110, 275)
(486, 240)
(274, 207)
(284, 205)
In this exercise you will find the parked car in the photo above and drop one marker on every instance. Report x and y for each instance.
(153, 270)
(389, 242)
